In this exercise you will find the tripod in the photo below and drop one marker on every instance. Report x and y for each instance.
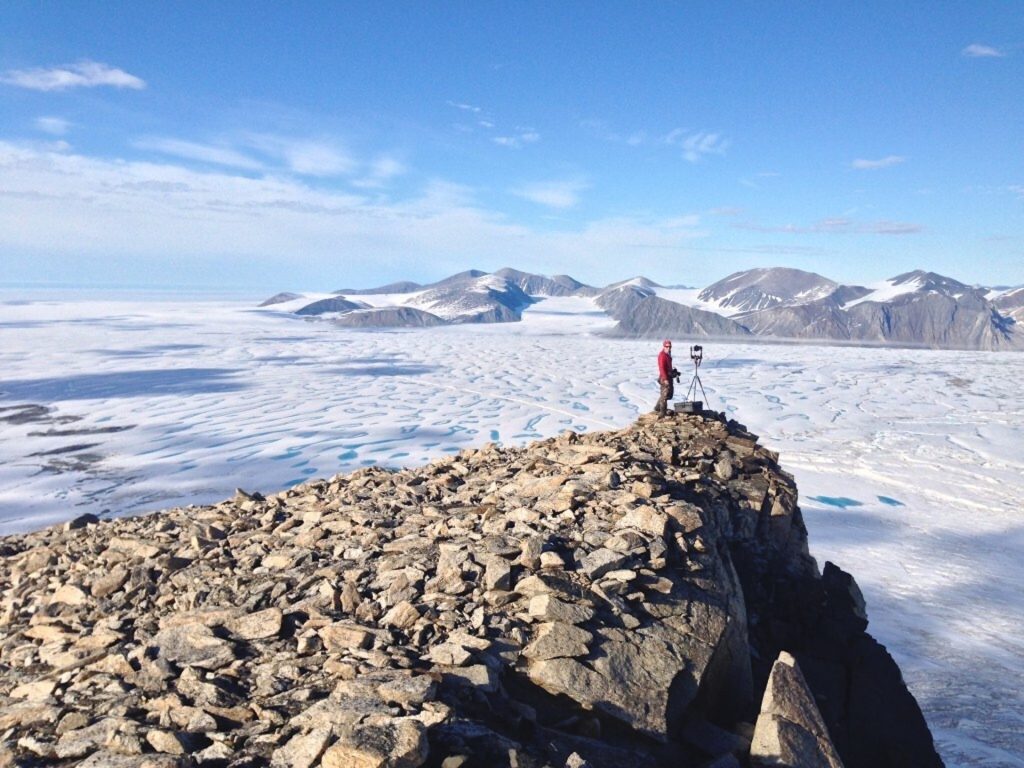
(697, 356)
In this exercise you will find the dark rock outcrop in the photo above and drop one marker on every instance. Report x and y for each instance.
(611, 599)
(325, 306)
(389, 317)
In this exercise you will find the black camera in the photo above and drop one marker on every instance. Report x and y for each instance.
(696, 353)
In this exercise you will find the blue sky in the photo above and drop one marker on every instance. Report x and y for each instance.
(314, 145)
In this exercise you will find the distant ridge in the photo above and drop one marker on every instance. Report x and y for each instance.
(916, 309)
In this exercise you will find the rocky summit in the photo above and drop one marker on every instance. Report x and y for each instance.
(637, 598)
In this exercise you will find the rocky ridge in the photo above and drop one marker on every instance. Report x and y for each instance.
(638, 598)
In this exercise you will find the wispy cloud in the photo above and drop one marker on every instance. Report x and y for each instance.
(203, 153)
(697, 145)
(517, 140)
(748, 182)
(979, 51)
(381, 171)
(861, 164)
(553, 194)
(836, 225)
(313, 158)
(259, 152)
(84, 74)
(56, 126)
(68, 204)
(464, 107)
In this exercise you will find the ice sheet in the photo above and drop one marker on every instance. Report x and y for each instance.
(909, 462)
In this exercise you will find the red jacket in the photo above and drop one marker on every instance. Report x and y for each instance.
(664, 366)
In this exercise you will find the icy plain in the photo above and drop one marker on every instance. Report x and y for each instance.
(910, 462)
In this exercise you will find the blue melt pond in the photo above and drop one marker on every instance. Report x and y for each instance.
(837, 501)
(347, 455)
(495, 437)
(890, 501)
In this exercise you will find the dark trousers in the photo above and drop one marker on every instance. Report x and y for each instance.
(667, 390)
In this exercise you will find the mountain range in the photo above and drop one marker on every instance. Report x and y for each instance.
(921, 309)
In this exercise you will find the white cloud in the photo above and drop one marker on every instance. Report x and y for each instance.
(311, 158)
(553, 194)
(836, 225)
(56, 126)
(204, 153)
(696, 146)
(304, 156)
(381, 171)
(518, 140)
(70, 205)
(84, 74)
(464, 107)
(979, 51)
(260, 152)
(861, 164)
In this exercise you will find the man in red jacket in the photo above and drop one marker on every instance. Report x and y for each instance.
(665, 375)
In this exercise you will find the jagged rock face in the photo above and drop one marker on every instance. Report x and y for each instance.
(790, 730)
(609, 599)
(1011, 304)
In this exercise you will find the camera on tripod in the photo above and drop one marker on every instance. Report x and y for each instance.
(691, 404)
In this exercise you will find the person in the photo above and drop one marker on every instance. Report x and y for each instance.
(666, 374)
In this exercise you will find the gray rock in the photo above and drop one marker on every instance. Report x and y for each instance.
(391, 743)
(193, 645)
(303, 750)
(790, 730)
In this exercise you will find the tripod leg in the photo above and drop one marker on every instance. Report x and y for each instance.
(705, 394)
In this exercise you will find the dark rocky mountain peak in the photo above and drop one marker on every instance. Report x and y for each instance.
(931, 282)
(756, 289)
(543, 285)
(324, 306)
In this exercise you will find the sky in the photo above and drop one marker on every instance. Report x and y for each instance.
(314, 145)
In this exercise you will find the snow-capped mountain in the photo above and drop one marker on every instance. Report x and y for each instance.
(540, 285)
(913, 309)
(473, 299)
(757, 289)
